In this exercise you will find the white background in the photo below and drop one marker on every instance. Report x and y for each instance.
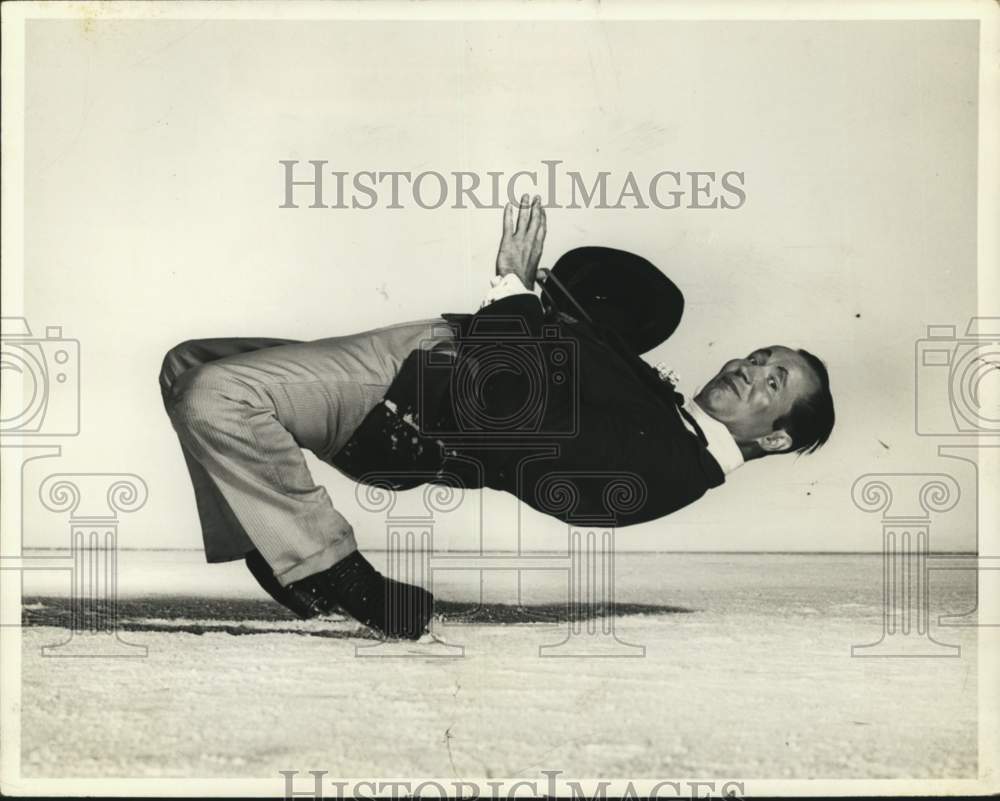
(152, 188)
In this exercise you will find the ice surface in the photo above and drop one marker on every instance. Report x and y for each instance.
(747, 673)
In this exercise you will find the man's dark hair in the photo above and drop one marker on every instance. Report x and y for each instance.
(810, 420)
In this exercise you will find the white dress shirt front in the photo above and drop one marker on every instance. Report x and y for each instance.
(721, 443)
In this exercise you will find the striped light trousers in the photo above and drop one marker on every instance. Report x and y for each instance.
(245, 408)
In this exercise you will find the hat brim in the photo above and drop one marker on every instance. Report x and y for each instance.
(619, 290)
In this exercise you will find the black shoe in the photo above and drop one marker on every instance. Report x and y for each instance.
(261, 571)
(390, 607)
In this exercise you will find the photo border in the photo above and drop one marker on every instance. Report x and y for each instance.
(15, 17)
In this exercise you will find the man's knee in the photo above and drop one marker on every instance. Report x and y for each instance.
(200, 397)
(178, 360)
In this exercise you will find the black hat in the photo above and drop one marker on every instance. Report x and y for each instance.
(617, 289)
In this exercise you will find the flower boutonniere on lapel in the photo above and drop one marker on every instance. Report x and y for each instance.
(668, 375)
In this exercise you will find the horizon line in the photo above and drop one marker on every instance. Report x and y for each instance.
(550, 550)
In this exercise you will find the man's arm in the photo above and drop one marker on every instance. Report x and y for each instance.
(516, 268)
(512, 294)
(522, 240)
(510, 311)
(520, 250)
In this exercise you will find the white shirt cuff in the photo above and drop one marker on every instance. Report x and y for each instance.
(502, 287)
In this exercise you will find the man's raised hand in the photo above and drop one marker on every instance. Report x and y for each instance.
(522, 240)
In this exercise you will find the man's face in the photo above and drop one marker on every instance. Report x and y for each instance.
(749, 394)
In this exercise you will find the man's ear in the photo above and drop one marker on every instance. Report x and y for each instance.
(775, 442)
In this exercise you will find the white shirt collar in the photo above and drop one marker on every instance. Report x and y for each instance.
(721, 444)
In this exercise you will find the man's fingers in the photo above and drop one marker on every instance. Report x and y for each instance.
(538, 243)
(509, 211)
(523, 213)
(538, 236)
(537, 217)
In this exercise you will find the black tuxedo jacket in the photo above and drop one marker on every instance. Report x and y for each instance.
(557, 411)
